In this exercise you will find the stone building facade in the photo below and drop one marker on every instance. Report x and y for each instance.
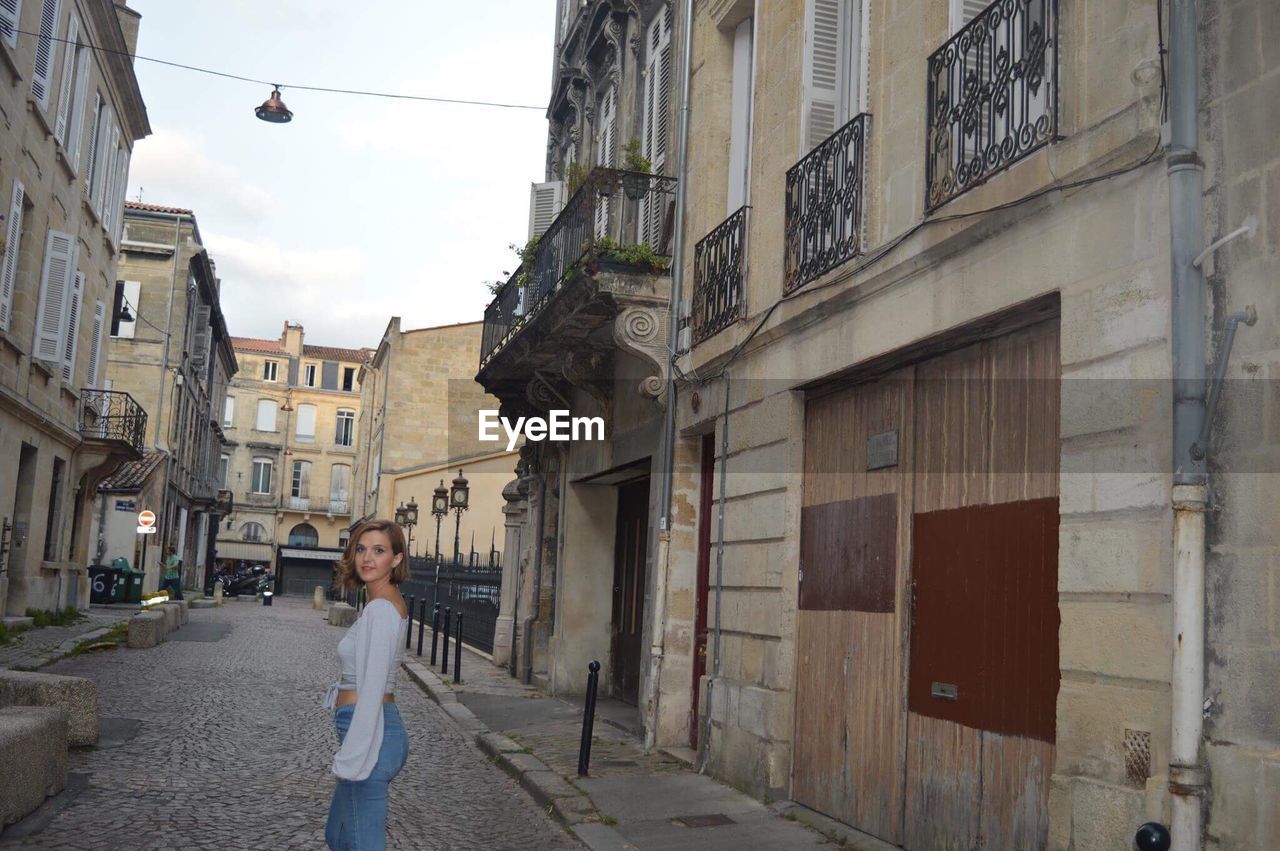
(168, 347)
(917, 572)
(291, 418)
(71, 112)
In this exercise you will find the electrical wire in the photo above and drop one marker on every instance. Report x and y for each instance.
(294, 86)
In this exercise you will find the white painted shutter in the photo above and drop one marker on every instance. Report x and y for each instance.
(964, 11)
(9, 262)
(71, 344)
(306, 421)
(94, 131)
(75, 133)
(110, 138)
(95, 351)
(740, 114)
(65, 91)
(122, 184)
(266, 415)
(199, 346)
(46, 48)
(229, 412)
(545, 203)
(606, 152)
(823, 61)
(339, 487)
(656, 129)
(57, 279)
(10, 11)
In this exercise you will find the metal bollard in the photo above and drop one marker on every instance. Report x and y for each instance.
(588, 718)
(408, 633)
(444, 659)
(457, 652)
(435, 631)
(422, 616)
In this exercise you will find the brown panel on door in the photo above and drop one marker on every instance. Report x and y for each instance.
(984, 640)
(848, 555)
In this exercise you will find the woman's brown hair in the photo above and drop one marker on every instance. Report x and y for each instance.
(347, 578)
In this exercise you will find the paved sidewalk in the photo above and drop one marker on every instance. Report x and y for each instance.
(633, 799)
(39, 646)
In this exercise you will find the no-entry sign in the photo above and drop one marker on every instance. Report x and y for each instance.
(146, 522)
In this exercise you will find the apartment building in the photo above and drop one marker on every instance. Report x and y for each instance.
(169, 349)
(291, 420)
(71, 111)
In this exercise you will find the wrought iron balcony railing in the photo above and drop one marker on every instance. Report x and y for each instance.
(719, 275)
(992, 93)
(112, 415)
(824, 204)
(620, 206)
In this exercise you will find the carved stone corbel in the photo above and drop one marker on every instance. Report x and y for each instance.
(642, 331)
(588, 372)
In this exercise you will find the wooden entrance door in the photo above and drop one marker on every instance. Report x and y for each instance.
(630, 551)
(983, 686)
(850, 714)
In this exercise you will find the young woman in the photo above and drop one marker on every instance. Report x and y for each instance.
(374, 745)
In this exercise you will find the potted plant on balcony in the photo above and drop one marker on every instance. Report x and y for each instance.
(635, 180)
(640, 255)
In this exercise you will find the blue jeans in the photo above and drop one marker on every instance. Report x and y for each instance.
(358, 813)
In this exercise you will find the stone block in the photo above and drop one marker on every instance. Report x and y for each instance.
(77, 695)
(1116, 639)
(1121, 554)
(183, 606)
(341, 614)
(172, 616)
(1104, 816)
(146, 629)
(317, 598)
(217, 593)
(203, 603)
(1092, 719)
(33, 751)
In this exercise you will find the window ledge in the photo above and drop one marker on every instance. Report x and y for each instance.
(88, 206)
(6, 53)
(72, 392)
(67, 168)
(8, 341)
(33, 105)
(43, 366)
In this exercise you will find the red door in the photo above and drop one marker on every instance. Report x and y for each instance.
(705, 523)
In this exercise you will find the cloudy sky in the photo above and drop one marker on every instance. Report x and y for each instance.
(361, 208)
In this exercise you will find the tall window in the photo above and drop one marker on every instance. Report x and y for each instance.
(349, 378)
(306, 430)
(301, 488)
(253, 532)
(53, 524)
(304, 535)
(834, 67)
(346, 431)
(269, 370)
(229, 412)
(340, 489)
(223, 463)
(262, 475)
(266, 415)
(309, 375)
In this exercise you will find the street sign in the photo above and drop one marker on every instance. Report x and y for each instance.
(146, 522)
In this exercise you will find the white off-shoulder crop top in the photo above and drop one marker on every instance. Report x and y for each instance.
(370, 656)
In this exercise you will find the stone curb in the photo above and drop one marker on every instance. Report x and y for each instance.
(550, 790)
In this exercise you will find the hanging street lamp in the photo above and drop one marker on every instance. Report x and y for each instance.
(273, 109)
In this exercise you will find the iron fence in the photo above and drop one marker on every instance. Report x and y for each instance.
(112, 415)
(611, 207)
(824, 204)
(719, 275)
(474, 591)
(992, 96)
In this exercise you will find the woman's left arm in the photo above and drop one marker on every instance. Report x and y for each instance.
(375, 650)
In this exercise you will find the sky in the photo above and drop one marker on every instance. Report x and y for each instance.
(360, 209)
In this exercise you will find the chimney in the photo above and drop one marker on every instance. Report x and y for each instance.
(129, 20)
(291, 339)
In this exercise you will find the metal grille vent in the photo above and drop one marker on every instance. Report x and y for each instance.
(1137, 756)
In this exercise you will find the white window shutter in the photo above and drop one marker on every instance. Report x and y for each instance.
(75, 133)
(964, 11)
(122, 185)
(9, 262)
(823, 61)
(95, 350)
(65, 90)
(545, 202)
(199, 345)
(46, 48)
(57, 278)
(266, 415)
(10, 10)
(71, 341)
(606, 152)
(95, 127)
(110, 137)
(306, 421)
(740, 114)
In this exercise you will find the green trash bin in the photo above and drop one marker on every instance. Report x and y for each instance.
(130, 585)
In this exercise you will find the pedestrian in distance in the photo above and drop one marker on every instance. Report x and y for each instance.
(173, 574)
(373, 744)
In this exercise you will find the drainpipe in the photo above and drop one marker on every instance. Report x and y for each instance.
(657, 646)
(1190, 476)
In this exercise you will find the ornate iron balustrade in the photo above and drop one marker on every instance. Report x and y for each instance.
(719, 275)
(992, 93)
(610, 204)
(112, 415)
(824, 204)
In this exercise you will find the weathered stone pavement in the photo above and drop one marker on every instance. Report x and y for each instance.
(34, 647)
(233, 750)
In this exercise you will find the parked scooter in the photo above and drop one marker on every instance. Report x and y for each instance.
(250, 582)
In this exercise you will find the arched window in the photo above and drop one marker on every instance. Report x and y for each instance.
(253, 532)
(304, 535)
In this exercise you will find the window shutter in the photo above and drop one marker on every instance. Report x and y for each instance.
(740, 114)
(606, 152)
(964, 11)
(340, 484)
(94, 128)
(823, 61)
(199, 348)
(266, 415)
(229, 411)
(75, 138)
(95, 351)
(329, 375)
(45, 49)
(65, 90)
(58, 277)
(9, 13)
(306, 421)
(9, 262)
(545, 203)
(122, 184)
(110, 138)
(71, 344)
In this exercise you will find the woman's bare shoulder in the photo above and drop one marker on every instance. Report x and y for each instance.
(395, 601)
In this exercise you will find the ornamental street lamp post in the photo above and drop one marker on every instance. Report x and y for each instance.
(459, 496)
(439, 508)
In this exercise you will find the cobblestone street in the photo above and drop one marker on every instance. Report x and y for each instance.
(232, 749)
